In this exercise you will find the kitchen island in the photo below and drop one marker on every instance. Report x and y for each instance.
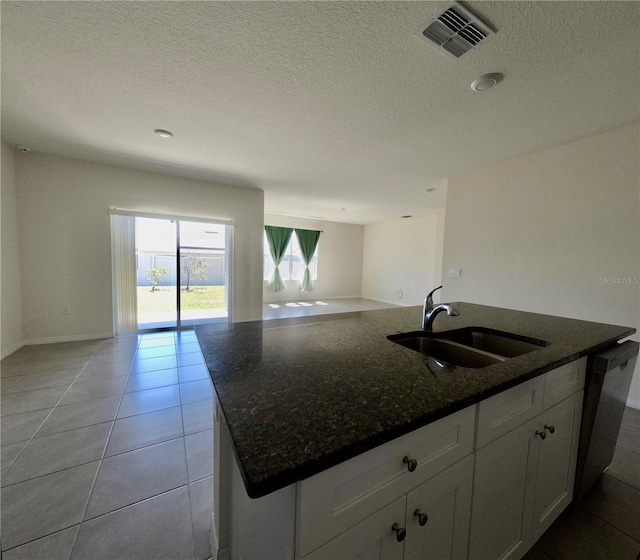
(298, 397)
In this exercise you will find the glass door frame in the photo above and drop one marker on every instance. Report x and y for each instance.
(228, 274)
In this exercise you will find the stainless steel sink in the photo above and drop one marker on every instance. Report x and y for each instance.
(496, 342)
(446, 351)
(472, 347)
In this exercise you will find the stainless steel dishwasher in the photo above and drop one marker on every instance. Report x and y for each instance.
(607, 384)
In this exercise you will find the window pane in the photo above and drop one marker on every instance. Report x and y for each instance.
(269, 267)
(292, 265)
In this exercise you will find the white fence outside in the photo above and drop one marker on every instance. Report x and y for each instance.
(146, 260)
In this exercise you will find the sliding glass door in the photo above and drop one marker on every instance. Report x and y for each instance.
(203, 270)
(156, 273)
(169, 272)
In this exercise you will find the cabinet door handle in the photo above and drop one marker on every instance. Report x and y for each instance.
(422, 517)
(411, 463)
(550, 428)
(541, 434)
(401, 533)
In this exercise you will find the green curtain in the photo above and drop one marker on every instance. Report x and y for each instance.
(278, 239)
(308, 242)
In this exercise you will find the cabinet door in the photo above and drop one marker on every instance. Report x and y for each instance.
(446, 500)
(371, 539)
(338, 498)
(503, 492)
(557, 462)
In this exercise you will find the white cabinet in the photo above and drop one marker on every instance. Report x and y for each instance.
(524, 479)
(446, 502)
(504, 485)
(556, 462)
(371, 539)
(488, 505)
(338, 498)
(430, 523)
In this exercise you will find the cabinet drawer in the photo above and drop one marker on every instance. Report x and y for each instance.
(505, 411)
(338, 498)
(372, 538)
(564, 381)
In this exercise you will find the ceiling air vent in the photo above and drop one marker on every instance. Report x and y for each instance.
(456, 31)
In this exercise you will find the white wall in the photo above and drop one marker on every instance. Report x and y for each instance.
(403, 259)
(545, 232)
(65, 249)
(11, 298)
(339, 261)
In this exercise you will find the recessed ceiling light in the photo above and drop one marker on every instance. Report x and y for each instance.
(487, 81)
(163, 133)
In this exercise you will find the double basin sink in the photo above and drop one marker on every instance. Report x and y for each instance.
(471, 347)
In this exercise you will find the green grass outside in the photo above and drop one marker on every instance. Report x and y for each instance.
(163, 299)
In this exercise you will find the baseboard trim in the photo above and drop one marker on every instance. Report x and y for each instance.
(216, 552)
(306, 296)
(396, 302)
(13, 348)
(67, 338)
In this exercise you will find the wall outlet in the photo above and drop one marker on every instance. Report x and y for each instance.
(455, 272)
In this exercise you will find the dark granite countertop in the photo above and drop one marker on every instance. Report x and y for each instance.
(302, 395)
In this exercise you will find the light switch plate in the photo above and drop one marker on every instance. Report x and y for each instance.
(455, 272)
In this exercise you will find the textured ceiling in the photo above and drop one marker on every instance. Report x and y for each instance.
(323, 105)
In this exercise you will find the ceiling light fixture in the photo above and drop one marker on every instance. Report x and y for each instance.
(163, 133)
(487, 81)
(23, 149)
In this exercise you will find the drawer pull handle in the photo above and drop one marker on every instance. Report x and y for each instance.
(422, 517)
(550, 428)
(401, 533)
(541, 434)
(412, 464)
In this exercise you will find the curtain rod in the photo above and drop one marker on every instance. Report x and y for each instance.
(320, 230)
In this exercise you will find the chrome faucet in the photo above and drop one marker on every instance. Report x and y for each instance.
(429, 312)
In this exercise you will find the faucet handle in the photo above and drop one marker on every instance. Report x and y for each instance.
(429, 300)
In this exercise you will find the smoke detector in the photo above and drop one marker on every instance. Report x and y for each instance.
(455, 31)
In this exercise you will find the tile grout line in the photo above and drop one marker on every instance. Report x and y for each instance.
(46, 418)
(624, 481)
(103, 454)
(193, 535)
(104, 450)
(33, 437)
(619, 529)
(62, 431)
(186, 459)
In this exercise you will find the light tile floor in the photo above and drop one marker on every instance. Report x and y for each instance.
(107, 450)
(306, 307)
(107, 453)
